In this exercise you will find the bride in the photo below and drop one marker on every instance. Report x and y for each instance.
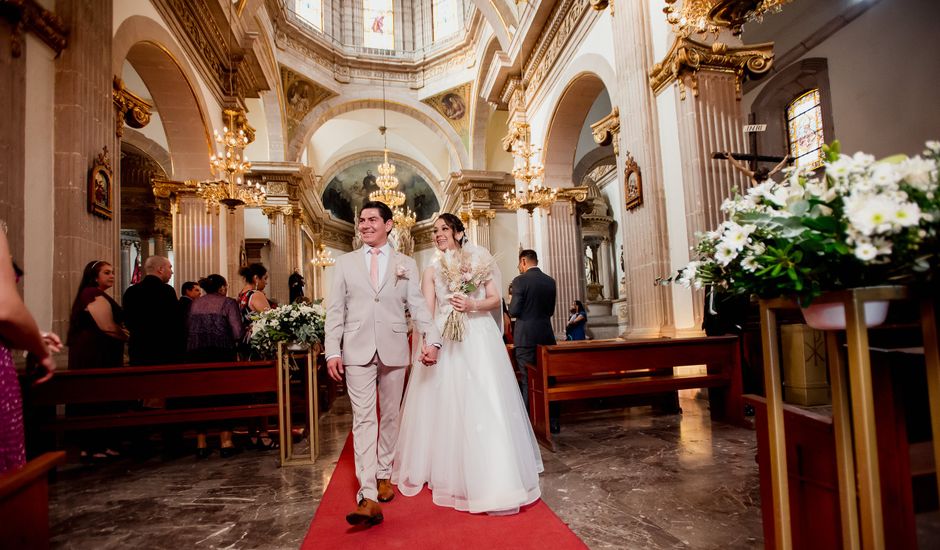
(464, 428)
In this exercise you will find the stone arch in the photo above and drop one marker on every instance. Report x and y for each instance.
(163, 67)
(564, 127)
(349, 160)
(481, 110)
(399, 103)
(500, 15)
(770, 104)
(150, 147)
(594, 158)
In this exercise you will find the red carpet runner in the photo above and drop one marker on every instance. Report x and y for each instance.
(416, 523)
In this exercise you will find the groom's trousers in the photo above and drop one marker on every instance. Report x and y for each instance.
(374, 438)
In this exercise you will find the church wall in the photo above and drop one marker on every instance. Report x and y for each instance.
(883, 76)
(256, 224)
(505, 246)
(599, 110)
(12, 144)
(259, 149)
(497, 159)
(39, 240)
(154, 130)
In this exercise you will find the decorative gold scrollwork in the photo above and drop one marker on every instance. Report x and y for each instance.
(687, 57)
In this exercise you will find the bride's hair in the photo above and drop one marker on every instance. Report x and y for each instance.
(456, 226)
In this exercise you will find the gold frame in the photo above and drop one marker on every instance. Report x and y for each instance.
(632, 197)
(101, 196)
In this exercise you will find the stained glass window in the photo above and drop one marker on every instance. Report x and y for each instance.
(445, 15)
(378, 24)
(805, 129)
(310, 11)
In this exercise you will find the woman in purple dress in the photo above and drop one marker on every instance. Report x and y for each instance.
(18, 330)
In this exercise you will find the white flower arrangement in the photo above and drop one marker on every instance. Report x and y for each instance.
(292, 323)
(858, 222)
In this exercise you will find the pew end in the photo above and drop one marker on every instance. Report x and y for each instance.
(24, 503)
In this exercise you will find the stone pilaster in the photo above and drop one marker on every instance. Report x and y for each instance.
(278, 270)
(477, 224)
(563, 259)
(648, 309)
(234, 243)
(84, 125)
(197, 239)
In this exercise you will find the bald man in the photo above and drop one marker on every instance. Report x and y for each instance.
(152, 315)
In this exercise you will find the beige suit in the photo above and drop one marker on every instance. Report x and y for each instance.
(368, 327)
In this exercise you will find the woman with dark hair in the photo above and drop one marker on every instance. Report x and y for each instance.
(252, 298)
(214, 328)
(464, 431)
(96, 334)
(96, 340)
(577, 322)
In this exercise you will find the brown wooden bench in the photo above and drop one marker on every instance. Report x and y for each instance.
(24, 503)
(83, 386)
(592, 369)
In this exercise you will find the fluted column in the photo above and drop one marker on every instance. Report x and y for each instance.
(606, 269)
(234, 242)
(564, 261)
(197, 239)
(477, 223)
(648, 310)
(279, 270)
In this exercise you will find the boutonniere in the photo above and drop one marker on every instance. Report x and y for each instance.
(401, 272)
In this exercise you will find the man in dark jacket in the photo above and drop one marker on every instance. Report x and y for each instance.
(152, 315)
(532, 306)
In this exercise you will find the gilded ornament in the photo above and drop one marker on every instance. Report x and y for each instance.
(687, 57)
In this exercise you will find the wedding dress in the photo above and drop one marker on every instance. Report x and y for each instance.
(464, 428)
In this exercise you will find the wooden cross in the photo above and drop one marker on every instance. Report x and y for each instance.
(752, 170)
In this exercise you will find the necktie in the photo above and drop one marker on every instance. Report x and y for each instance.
(374, 267)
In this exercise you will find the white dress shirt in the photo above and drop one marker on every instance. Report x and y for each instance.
(383, 259)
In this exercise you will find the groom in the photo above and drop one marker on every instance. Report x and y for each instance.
(367, 339)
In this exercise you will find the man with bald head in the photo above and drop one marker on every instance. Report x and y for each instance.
(153, 316)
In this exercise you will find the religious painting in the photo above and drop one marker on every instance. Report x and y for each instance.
(453, 105)
(378, 24)
(300, 97)
(101, 187)
(632, 183)
(348, 190)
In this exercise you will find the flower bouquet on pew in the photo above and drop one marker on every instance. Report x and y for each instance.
(855, 222)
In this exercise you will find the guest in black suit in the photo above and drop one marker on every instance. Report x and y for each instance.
(152, 315)
(189, 292)
(532, 306)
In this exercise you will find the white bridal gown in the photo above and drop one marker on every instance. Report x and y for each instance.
(464, 429)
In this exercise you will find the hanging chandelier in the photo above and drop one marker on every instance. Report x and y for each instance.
(229, 165)
(388, 191)
(323, 258)
(528, 171)
(711, 16)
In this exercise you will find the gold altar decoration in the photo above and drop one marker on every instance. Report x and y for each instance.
(687, 57)
(711, 16)
(131, 109)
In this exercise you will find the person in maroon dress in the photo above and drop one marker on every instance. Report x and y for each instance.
(18, 330)
(96, 340)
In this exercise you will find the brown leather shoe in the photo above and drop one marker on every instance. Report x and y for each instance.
(368, 513)
(386, 491)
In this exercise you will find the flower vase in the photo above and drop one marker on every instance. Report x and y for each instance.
(831, 315)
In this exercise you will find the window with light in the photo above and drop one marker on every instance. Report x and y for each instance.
(378, 24)
(311, 11)
(445, 17)
(805, 129)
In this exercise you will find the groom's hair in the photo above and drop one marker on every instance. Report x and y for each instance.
(383, 209)
(530, 256)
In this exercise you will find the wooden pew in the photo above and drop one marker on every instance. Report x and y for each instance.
(138, 383)
(24, 503)
(591, 369)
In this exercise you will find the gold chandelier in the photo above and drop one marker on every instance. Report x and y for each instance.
(230, 165)
(711, 16)
(528, 171)
(323, 258)
(388, 191)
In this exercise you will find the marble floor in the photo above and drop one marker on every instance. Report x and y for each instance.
(621, 478)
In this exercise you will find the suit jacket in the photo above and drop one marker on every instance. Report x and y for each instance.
(362, 321)
(152, 316)
(533, 304)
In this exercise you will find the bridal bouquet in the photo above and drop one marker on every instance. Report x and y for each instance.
(858, 222)
(292, 323)
(463, 273)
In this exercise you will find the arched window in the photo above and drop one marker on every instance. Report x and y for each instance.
(310, 11)
(378, 24)
(805, 129)
(445, 17)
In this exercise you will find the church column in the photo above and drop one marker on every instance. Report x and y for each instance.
(84, 126)
(562, 259)
(606, 269)
(278, 270)
(197, 239)
(701, 115)
(234, 244)
(477, 224)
